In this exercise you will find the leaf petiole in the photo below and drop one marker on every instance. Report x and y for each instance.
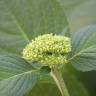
(57, 76)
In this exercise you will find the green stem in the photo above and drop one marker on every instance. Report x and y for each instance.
(57, 76)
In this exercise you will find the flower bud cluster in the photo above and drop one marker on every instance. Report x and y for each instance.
(48, 49)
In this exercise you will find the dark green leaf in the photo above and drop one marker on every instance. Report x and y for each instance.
(45, 70)
(84, 49)
(16, 76)
(44, 89)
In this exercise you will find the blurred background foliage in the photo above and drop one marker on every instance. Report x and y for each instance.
(80, 12)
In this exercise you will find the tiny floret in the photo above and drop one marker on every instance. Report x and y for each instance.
(48, 49)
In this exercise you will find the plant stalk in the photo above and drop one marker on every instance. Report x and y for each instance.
(57, 76)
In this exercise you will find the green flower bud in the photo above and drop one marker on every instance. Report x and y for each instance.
(48, 49)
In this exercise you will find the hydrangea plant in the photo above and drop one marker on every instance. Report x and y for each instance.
(39, 29)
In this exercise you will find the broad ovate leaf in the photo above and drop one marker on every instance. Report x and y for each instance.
(22, 20)
(16, 76)
(84, 49)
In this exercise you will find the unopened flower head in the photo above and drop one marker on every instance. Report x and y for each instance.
(48, 49)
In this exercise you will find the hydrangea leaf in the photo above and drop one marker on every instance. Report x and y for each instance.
(22, 20)
(16, 76)
(84, 49)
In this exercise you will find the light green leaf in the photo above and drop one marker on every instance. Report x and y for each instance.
(16, 76)
(22, 20)
(84, 49)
